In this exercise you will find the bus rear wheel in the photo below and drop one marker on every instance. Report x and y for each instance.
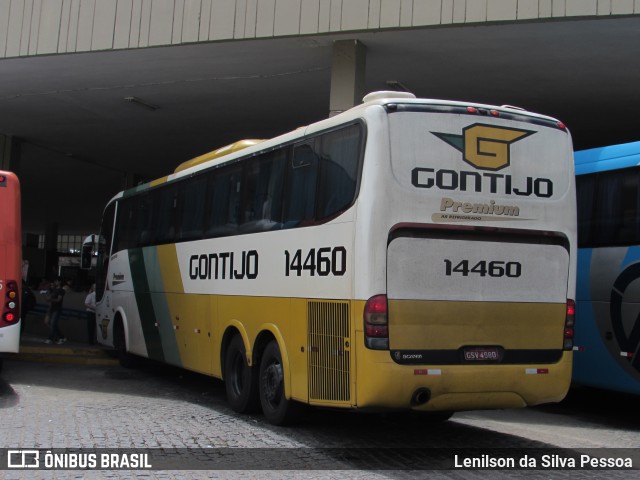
(275, 406)
(240, 380)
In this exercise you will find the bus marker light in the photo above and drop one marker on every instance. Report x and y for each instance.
(427, 371)
(569, 322)
(626, 354)
(579, 349)
(536, 371)
(571, 308)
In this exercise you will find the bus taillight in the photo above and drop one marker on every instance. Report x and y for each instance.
(569, 324)
(376, 323)
(11, 310)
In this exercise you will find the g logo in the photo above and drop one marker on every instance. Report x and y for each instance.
(485, 147)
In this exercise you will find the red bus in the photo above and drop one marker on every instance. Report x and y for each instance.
(10, 262)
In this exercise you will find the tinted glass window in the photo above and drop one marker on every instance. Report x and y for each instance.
(224, 201)
(262, 192)
(293, 186)
(322, 176)
(166, 214)
(193, 207)
(609, 208)
(340, 155)
(302, 177)
(143, 234)
(125, 224)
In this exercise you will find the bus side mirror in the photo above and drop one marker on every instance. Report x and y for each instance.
(86, 254)
(85, 257)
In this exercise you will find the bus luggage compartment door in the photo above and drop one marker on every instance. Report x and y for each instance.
(476, 299)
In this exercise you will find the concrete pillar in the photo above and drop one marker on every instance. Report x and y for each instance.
(10, 154)
(51, 250)
(347, 75)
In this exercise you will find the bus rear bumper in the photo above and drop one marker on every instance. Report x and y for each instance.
(387, 384)
(10, 338)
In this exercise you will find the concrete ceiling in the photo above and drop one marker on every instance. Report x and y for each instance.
(79, 135)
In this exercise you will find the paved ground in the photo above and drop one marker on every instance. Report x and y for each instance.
(60, 405)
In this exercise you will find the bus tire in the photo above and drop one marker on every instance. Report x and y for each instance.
(275, 406)
(240, 380)
(120, 344)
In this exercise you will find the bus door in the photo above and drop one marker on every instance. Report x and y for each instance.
(103, 292)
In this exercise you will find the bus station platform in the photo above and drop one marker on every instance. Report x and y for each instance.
(33, 349)
(73, 324)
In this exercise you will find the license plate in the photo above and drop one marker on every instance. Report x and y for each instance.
(482, 354)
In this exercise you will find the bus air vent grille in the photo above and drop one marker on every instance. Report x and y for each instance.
(329, 351)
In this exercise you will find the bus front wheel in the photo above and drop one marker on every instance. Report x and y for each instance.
(120, 343)
(275, 406)
(240, 380)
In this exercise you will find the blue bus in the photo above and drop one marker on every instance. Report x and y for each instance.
(607, 337)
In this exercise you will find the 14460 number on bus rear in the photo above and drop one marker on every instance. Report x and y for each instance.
(483, 268)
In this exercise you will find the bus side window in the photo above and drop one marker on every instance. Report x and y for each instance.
(273, 187)
(586, 187)
(144, 227)
(125, 225)
(193, 206)
(166, 218)
(262, 192)
(629, 210)
(340, 152)
(609, 208)
(301, 186)
(224, 200)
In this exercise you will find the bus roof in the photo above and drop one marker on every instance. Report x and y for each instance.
(607, 158)
(220, 152)
(381, 98)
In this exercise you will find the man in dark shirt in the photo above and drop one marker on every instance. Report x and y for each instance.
(57, 296)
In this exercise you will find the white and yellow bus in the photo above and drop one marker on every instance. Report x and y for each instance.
(405, 254)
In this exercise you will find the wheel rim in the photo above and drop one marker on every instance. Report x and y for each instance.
(273, 383)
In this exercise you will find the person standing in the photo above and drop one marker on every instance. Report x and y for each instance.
(55, 310)
(90, 305)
